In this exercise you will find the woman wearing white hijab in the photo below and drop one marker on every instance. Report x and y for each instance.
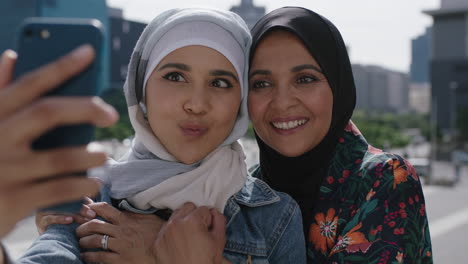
(186, 92)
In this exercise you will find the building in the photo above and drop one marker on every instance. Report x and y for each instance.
(420, 88)
(124, 35)
(420, 97)
(121, 34)
(13, 12)
(379, 89)
(449, 62)
(420, 56)
(249, 12)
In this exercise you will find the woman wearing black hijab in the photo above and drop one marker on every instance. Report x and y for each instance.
(359, 204)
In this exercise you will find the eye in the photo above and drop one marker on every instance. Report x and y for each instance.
(221, 83)
(306, 79)
(174, 77)
(260, 84)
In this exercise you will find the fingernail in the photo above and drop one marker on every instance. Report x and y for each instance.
(95, 147)
(68, 218)
(83, 51)
(10, 54)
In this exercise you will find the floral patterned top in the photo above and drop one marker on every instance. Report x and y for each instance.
(371, 208)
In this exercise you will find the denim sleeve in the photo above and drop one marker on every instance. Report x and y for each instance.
(290, 247)
(58, 245)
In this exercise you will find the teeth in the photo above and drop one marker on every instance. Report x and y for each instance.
(290, 124)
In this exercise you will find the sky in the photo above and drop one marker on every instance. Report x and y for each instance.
(377, 32)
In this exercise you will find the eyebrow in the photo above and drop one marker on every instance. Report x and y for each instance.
(304, 67)
(223, 73)
(180, 66)
(294, 69)
(259, 72)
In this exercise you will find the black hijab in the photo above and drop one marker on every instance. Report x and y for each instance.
(302, 176)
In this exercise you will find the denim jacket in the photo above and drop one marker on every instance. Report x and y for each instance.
(263, 226)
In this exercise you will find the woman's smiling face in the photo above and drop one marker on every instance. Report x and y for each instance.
(193, 97)
(290, 101)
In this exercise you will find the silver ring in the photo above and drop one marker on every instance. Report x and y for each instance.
(104, 242)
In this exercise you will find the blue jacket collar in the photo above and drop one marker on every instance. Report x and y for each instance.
(255, 193)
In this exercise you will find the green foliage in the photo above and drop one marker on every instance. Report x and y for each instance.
(385, 130)
(250, 132)
(123, 129)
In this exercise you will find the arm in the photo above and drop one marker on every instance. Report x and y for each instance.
(140, 239)
(56, 245)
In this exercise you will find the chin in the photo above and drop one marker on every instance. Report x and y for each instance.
(291, 152)
(189, 160)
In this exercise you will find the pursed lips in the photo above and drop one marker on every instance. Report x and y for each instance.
(193, 130)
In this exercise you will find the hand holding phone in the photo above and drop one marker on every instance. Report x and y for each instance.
(44, 40)
(25, 183)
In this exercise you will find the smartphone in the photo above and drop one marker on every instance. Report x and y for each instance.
(43, 40)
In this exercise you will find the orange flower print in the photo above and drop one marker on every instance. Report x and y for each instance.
(411, 170)
(352, 242)
(370, 195)
(323, 232)
(400, 173)
(399, 257)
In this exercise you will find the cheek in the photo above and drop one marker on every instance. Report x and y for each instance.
(226, 108)
(255, 106)
(322, 107)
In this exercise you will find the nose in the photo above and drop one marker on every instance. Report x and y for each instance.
(197, 101)
(284, 98)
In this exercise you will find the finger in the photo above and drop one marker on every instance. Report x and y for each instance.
(61, 161)
(7, 65)
(201, 215)
(26, 198)
(37, 82)
(86, 212)
(94, 241)
(44, 220)
(108, 212)
(182, 212)
(101, 257)
(218, 229)
(96, 226)
(80, 220)
(48, 113)
(87, 201)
